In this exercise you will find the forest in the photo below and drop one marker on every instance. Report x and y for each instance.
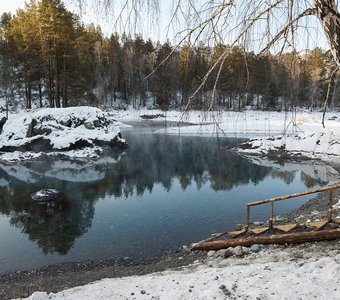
(49, 58)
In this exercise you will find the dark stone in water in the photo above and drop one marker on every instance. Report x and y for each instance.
(46, 195)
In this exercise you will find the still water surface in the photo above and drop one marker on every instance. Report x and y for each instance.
(161, 193)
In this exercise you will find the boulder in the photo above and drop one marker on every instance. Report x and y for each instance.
(46, 195)
(60, 130)
(255, 248)
(212, 253)
(225, 253)
(238, 251)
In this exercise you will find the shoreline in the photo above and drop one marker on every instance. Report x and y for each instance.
(54, 278)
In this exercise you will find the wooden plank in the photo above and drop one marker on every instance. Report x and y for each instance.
(238, 232)
(286, 228)
(259, 230)
(287, 238)
(317, 225)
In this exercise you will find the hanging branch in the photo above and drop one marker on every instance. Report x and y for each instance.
(329, 92)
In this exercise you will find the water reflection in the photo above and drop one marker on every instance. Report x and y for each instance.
(150, 160)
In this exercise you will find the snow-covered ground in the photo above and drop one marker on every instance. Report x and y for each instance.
(246, 124)
(301, 133)
(304, 272)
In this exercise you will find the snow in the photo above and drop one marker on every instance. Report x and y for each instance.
(43, 193)
(301, 132)
(273, 273)
(320, 144)
(62, 128)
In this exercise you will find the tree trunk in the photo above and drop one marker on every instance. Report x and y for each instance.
(40, 95)
(65, 104)
(7, 103)
(28, 92)
(57, 86)
(281, 239)
(329, 17)
(50, 83)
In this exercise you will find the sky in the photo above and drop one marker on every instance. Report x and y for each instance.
(89, 15)
(153, 27)
(10, 5)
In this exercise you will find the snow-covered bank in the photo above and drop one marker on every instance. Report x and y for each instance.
(62, 130)
(320, 144)
(299, 134)
(234, 124)
(73, 132)
(302, 272)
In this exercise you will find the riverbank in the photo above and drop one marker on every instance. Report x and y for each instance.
(183, 266)
(58, 277)
(277, 272)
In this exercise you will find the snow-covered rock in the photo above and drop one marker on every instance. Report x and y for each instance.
(60, 129)
(46, 195)
(321, 144)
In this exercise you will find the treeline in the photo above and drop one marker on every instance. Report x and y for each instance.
(49, 58)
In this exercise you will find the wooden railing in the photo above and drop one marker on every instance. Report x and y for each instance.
(271, 201)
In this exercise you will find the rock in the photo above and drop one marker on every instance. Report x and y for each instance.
(143, 292)
(257, 223)
(255, 248)
(89, 125)
(96, 123)
(225, 253)
(224, 290)
(212, 253)
(186, 248)
(2, 123)
(57, 130)
(46, 195)
(238, 251)
(239, 226)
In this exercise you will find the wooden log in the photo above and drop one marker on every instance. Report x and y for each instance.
(288, 238)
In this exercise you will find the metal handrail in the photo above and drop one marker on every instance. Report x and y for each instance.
(272, 200)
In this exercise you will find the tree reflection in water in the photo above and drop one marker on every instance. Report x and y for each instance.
(150, 159)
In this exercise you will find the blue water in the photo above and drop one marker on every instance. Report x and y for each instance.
(161, 193)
